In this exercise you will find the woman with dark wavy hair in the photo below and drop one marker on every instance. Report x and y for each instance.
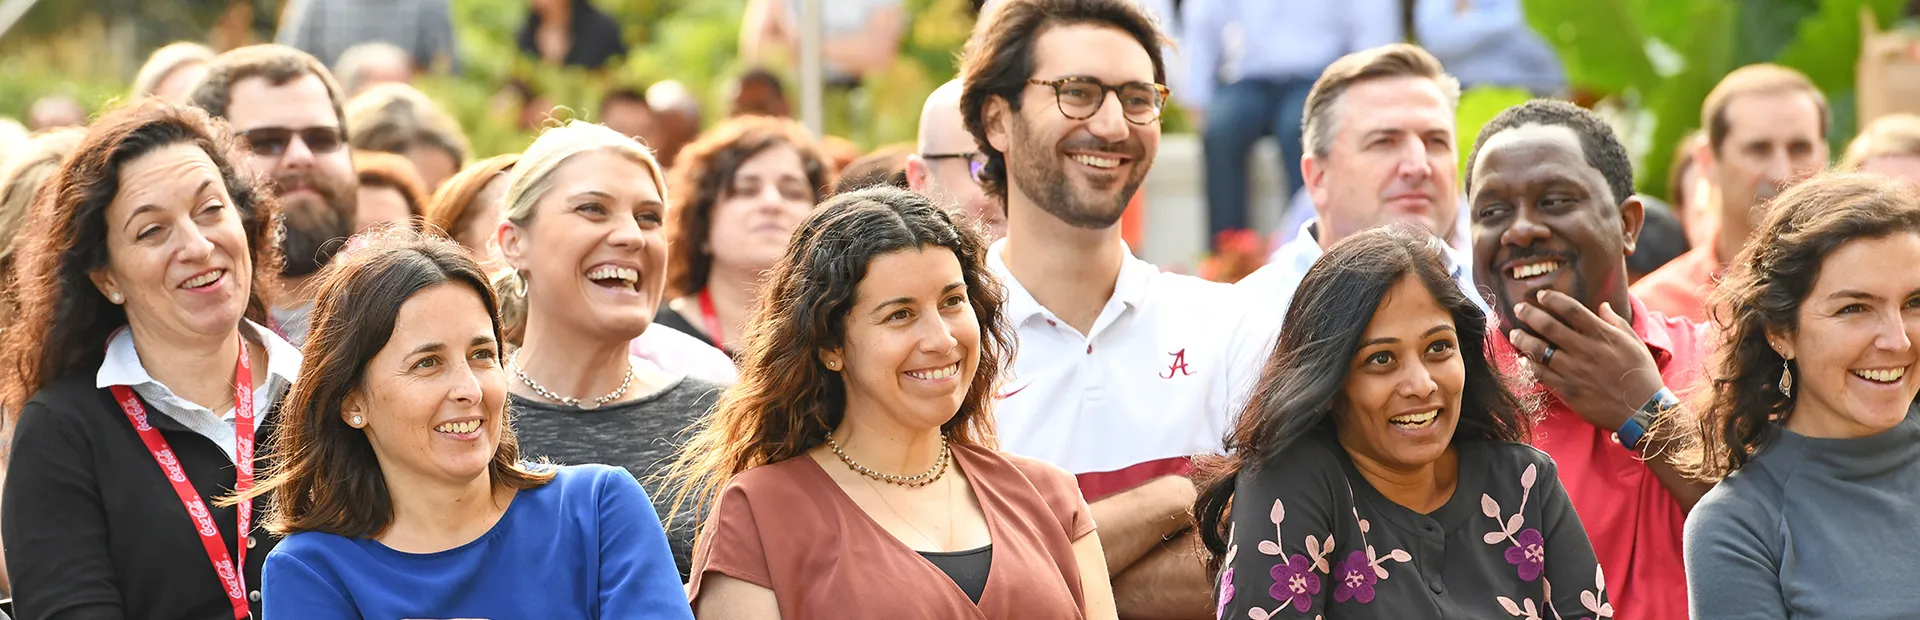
(1808, 423)
(852, 471)
(1380, 451)
(138, 377)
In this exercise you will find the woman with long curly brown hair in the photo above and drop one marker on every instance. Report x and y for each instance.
(738, 192)
(852, 472)
(1809, 422)
(138, 378)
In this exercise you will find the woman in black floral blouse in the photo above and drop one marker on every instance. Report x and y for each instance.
(1376, 471)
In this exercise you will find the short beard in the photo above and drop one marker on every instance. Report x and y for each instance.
(1040, 173)
(315, 228)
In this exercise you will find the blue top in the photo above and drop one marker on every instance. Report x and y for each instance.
(1230, 40)
(586, 545)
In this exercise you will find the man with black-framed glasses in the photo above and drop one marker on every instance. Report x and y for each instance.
(285, 109)
(946, 162)
(1122, 372)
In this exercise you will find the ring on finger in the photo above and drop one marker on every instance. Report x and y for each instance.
(1546, 359)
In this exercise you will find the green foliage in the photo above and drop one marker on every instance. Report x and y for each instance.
(1664, 56)
(1478, 106)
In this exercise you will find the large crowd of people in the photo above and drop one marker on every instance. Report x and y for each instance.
(280, 346)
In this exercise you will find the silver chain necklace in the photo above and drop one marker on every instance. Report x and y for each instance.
(513, 363)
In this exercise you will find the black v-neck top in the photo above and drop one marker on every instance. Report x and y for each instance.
(1311, 538)
(968, 569)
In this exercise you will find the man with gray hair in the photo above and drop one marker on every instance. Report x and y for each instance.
(1380, 148)
(366, 65)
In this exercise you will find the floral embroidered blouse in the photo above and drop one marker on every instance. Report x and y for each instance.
(1312, 539)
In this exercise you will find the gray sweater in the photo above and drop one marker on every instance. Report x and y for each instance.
(641, 436)
(1812, 528)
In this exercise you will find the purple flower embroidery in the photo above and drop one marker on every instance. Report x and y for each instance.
(1356, 579)
(1528, 553)
(1226, 593)
(1295, 580)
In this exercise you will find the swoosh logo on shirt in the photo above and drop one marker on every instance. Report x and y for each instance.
(1014, 391)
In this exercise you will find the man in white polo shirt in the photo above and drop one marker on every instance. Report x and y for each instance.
(1379, 138)
(1122, 372)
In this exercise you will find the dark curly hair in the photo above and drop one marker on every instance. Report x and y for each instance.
(1597, 141)
(1298, 392)
(1763, 290)
(703, 174)
(64, 321)
(785, 401)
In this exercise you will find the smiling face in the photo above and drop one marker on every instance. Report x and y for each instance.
(1853, 355)
(303, 179)
(176, 249)
(1401, 400)
(1083, 172)
(912, 340)
(1392, 159)
(755, 217)
(1543, 218)
(433, 400)
(593, 251)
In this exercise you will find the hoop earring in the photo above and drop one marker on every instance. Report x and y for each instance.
(1786, 378)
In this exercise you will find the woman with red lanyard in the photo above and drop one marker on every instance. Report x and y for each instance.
(141, 386)
(738, 194)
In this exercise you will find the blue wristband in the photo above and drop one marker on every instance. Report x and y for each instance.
(1635, 429)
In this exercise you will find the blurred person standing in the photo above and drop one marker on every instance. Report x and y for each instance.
(946, 162)
(328, 28)
(571, 33)
(1889, 146)
(400, 486)
(759, 92)
(1124, 372)
(860, 40)
(1695, 199)
(396, 118)
(390, 191)
(1488, 43)
(467, 208)
(366, 65)
(1252, 63)
(286, 109)
(886, 165)
(625, 110)
(585, 214)
(676, 120)
(171, 72)
(853, 472)
(739, 191)
(55, 111)
(142, 386)
(26, 171)
(1766, 128)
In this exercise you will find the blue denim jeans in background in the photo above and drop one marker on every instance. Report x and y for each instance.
(1238, 116)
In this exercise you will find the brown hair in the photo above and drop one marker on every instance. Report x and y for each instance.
(886, 165)
(1895, 134)
(278, 64)
(1683, 152)
(64, 321)
(395, 118)
(998, 61)
(1756, 79)
(25, 173)
(395, 172)
(703, 174)
(785, 402)
(324, 476)
(451, 208)
(1763, 290)
(1387, 61)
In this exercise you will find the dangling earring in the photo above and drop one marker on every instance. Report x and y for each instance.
(357, 422)
(1786, 379)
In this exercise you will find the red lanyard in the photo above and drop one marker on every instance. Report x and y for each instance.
(712, 320)
(231, 573)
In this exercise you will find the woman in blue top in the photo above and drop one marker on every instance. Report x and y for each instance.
(399, 482)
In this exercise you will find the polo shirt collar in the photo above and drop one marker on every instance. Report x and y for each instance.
(1130, 289)
(1658, 341)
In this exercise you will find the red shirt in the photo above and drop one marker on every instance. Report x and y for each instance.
(1634, 523)
(1680, 287)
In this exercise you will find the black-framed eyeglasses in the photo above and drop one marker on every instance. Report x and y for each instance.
(1079, 98)
(273, 141)
(975, 161)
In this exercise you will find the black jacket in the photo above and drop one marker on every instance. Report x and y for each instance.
(93, 529)
(595, 36)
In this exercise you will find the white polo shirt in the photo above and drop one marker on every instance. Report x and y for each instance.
(1158, 380)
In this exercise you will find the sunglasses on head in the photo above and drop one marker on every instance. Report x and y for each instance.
(273, 141)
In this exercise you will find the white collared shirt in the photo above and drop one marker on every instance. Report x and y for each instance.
(1276, 282)
(1158, 379)
(122, 367)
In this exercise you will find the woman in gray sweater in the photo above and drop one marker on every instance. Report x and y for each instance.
(1809, 421)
